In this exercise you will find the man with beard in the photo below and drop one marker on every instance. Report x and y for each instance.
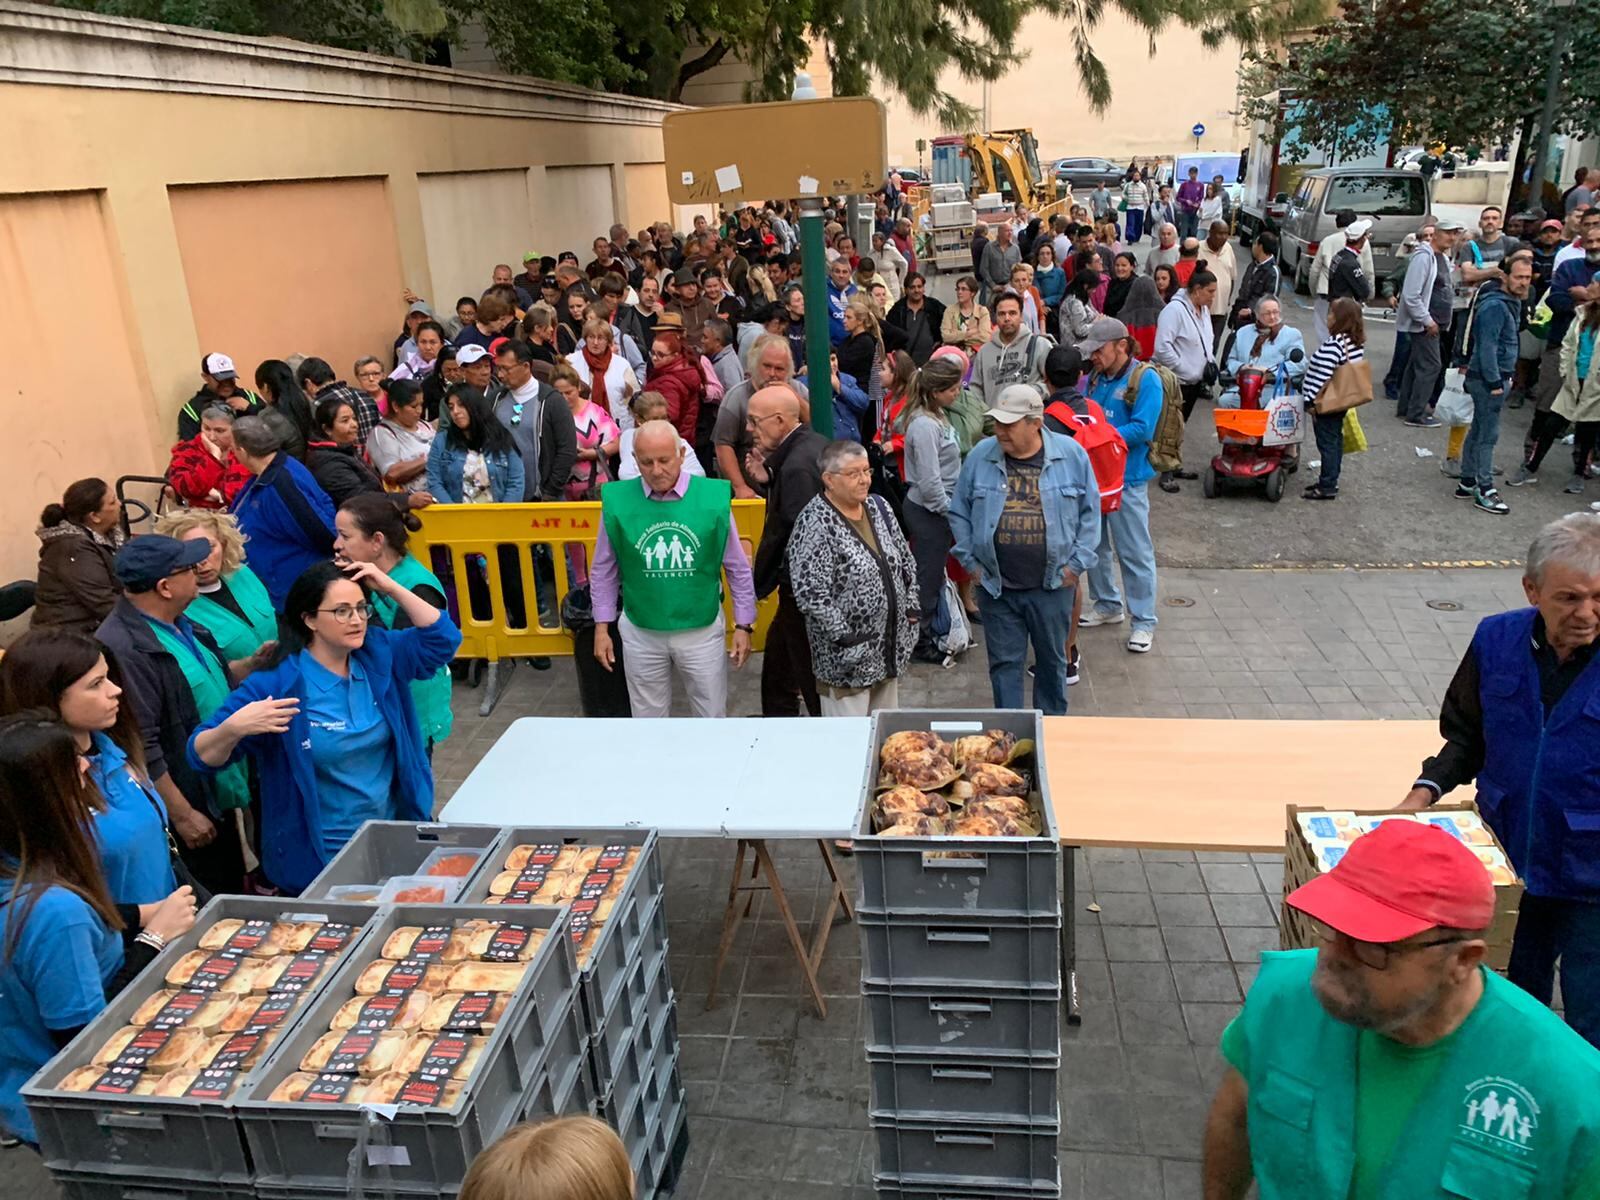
(1391, 1061)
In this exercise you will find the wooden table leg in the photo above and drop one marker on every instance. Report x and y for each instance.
(837, 898)
(730, 923)
(781, 899)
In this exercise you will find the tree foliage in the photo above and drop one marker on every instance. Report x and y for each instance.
(655, 47)
(1426, 71)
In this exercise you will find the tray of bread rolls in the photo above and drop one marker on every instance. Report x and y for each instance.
(447, 1018)
(148, 1088)
(418, 863)
(606, 877)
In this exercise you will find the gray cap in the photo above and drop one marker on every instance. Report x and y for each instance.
(420, 306)
(1102, 331)
(1448, 225)
(1016, 402)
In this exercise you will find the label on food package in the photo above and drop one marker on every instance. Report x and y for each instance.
(146, 1044)
(118, 1080)
(612, 857)
(544, 854)
(247, 937)
(404, 976)
(270, 1012)
(444, 1056)
(301, 973)
(426, 1090)
(213, 1083)
(431, 943)
(213, 973)
(236, 1050)
(178, 1010)
(595, 885)
(581, 921)
(508, 943)
(351, 1052)
(380, 1012)
(328, 1088)
(469, 1013)
(332, 936)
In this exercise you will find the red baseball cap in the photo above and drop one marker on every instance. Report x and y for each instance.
(1400, 879)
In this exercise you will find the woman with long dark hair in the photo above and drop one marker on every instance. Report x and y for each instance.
(78, 538)
(398, 445)
(1077, 310)
(287, 411)
(932, 464)
(335, 457)
(473, 459)
(1124, 268)
(341, 688)
(61, 946)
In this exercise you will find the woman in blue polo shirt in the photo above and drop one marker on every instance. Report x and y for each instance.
(61, 946)
(67, 674)
(341, 691)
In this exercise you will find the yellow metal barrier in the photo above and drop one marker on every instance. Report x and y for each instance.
(500, 534)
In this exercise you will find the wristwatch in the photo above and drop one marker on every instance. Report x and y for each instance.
(746, 628)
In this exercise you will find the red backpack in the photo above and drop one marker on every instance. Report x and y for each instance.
(1107, 451)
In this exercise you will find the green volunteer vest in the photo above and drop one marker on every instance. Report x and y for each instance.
(1509, 1105)
(430, 696)
(208, 684)
(237, 637)
(669, 552)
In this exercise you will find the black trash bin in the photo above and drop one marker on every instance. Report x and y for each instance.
(601, 693)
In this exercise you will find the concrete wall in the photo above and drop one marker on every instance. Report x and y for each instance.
(172, 191)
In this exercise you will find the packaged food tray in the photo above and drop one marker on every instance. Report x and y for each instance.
(1009, 876)
(297, 1144)
(381, 850)
(166, 1138)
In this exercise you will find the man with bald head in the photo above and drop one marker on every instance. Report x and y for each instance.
(666, 538)
(787, 460)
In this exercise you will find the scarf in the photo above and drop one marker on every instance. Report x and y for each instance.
(598, 365)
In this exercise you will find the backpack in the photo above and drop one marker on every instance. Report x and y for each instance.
(1166, 443)
(1105, 446)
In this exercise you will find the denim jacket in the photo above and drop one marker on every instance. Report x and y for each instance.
(1067, 491)
(446, 462)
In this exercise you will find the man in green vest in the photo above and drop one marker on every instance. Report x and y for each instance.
(1390, 1063)
(666, 538)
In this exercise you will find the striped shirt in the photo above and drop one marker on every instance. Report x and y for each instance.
(1329, 357)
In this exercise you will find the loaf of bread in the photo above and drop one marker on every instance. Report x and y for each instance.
(459, 1054)
(156, 1051)
(465, 1012)
(486, 976)
(377, 976)
(384, 1012)
(352, 1052)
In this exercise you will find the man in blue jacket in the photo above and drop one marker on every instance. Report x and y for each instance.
(283, 511)
(840, 289)
(1491, 362)
(1131, 395)
(1519, 717)
(1026, 521)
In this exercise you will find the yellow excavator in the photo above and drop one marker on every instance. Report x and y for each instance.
(1003, 161)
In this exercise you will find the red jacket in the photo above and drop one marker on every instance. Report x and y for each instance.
(681, 383)
(194, 474)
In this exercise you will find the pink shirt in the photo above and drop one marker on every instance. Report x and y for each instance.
(605, 577)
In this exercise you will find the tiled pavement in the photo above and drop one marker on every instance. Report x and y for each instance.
(778, 1098)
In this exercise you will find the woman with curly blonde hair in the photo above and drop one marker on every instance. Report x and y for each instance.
(233, 605)
(570, 1158)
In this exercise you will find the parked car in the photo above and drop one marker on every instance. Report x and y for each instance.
(1394, 201)
(1089, 173)
(910, 176)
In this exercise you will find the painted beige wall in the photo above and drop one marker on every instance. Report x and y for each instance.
(472, 220)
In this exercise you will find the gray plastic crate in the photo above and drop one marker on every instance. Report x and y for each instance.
(998, 952)
(655, 1042)
(1013, 876)
(646, 989)
(659, 1165)
(971, 1156)
(560, 1082)
(300, 1145)
(985, 1091)
(893, 1189)
(160, 1137)
(1016, 1022)
(136, 1185)
(602, 975)
(382, 849)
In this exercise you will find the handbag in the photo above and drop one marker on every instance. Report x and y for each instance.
(1354, 437)
(1348, 388)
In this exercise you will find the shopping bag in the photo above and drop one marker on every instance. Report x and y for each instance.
(1286, 421)
(1455, 402)
(1355, 438)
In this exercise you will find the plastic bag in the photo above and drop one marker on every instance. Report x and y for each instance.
(952, 632)
(1455, 402)
(1355, 438)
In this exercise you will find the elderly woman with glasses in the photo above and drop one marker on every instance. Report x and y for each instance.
(332, 728)
(1267, 344)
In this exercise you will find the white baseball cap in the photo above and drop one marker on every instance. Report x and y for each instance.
(470, 353)
(1357, 230)
(218, 366)
(1017, 402)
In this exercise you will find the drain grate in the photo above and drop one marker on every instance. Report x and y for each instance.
(1178, 602)
(1444, 605)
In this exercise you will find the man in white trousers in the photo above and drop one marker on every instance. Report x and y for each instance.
(665, 541)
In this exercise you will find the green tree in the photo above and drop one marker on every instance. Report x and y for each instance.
(1425, 71)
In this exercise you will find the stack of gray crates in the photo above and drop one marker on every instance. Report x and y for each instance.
(383, 850)
(961, 974)
(630, 1013)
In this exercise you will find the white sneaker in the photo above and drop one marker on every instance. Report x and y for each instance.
(1140, 640)
(1095, 617)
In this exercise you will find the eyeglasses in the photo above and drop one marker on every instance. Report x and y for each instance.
(854, 473)
(755, 422)
(346, 614)
(1376, 955)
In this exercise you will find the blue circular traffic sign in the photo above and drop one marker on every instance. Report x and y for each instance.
(1199, 130)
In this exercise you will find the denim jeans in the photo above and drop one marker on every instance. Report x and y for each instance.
(1135, 228)
(1329, 431)
(1010, 621)
(1128, 532)
(1188, 224)
(1477, 452)
(1397, 368)
(1568, 930)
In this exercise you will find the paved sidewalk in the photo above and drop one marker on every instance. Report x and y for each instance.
(778, 1098)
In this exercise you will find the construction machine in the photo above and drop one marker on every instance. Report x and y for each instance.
(979, 177)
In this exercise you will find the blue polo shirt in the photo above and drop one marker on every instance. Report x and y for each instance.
(132, 832)
(352, 751)
(54, 979)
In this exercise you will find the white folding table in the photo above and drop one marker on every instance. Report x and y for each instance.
(750, 780)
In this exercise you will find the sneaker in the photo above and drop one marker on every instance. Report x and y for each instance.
(1523, 476)
(1489, 501)
(1516, 400)
(927, 653)
(1074, 658)
(1426, 423)
(1139, 641)
(1096, 617)
(1465, 492)
(1451, 467)
(1575, 486)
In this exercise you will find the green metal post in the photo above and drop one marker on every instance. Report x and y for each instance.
(814, 280)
